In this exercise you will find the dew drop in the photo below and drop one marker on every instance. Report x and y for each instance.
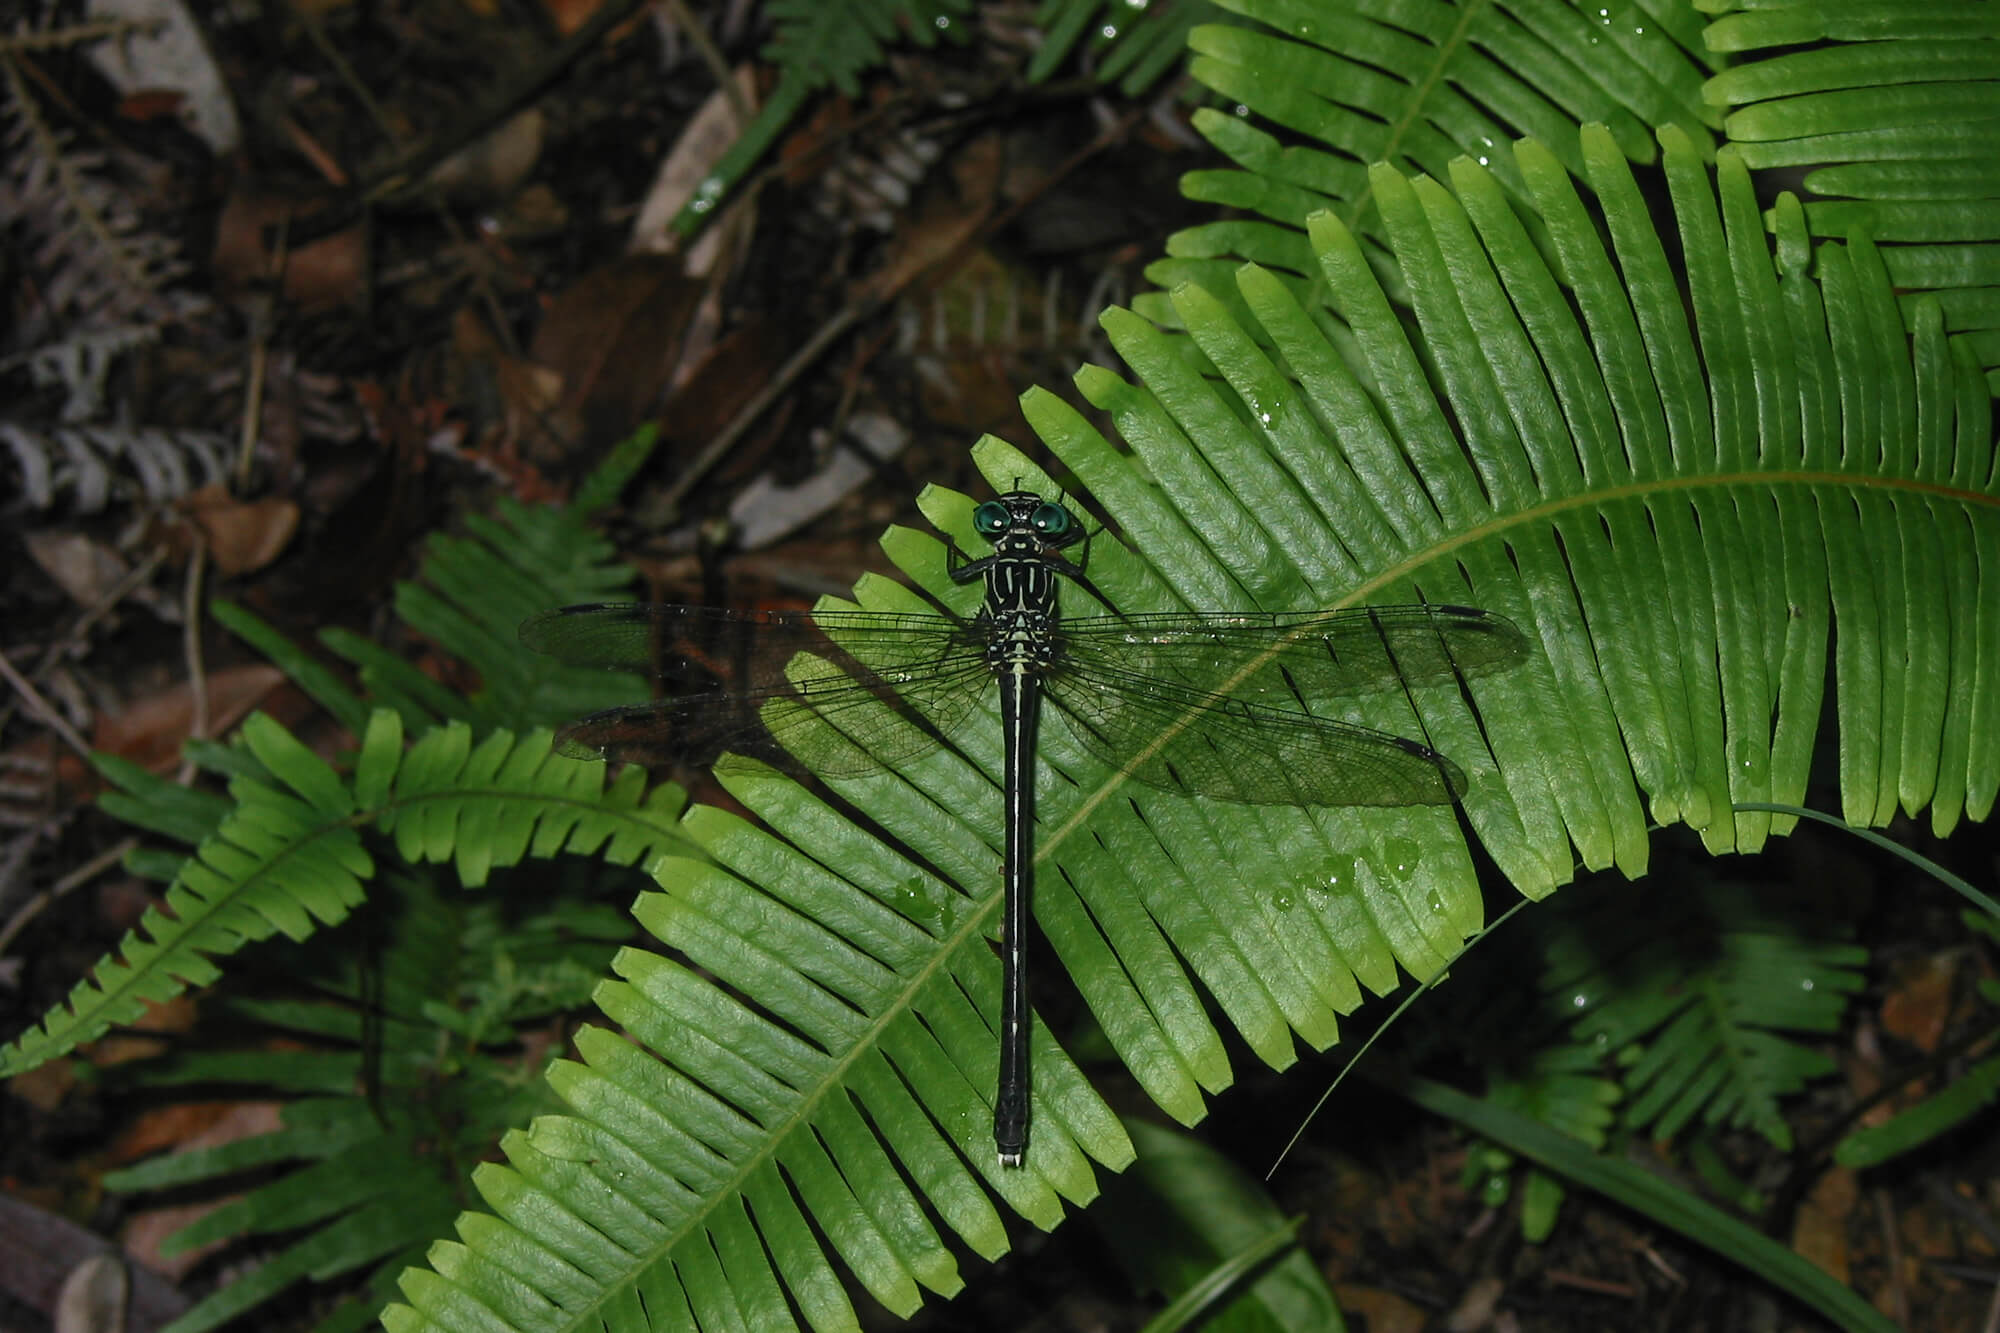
(707, 194)
(914, 900)
(1400, 857)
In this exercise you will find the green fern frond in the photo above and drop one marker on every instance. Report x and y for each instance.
(289, 856)
(473, 591)
(821, 42)
(1679, 1008)
(1188, 1224)
(1561, 1086)
(1131, 41)
(1348, 84)
(469, 594)
(370, 1178)
(852, 1091)
(1891, 110)
(1693, 993)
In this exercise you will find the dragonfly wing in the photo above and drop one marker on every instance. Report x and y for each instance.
(1218, 745)
(746, 650)
(840, 693)
(1288, 659)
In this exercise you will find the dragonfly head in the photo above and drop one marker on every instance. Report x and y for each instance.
(1021, 521)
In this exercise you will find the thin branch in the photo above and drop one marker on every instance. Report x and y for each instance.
(76, 878)
(42, 709)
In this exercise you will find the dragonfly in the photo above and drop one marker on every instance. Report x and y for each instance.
(1214, 704)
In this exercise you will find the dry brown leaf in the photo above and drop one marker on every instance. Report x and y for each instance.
(151, 731)
(84, 568)
(323, 275)
(1819, 1231)
(530, 395)
(926, 244)
(615, 336)
(570, 15)
(710, 133)
(733, 372)
(171, 1016)
(1918, 1004)
(44, 1086)
(146, 1233)
(239, 535)
(1384, 1311)
(1477, 1305)
(489, 169)
(184, 1125)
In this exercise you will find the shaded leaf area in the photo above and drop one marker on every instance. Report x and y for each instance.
(1683, 1018)
(384, 1118)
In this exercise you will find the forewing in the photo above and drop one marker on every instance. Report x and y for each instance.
(840, 693)
(1289, 659)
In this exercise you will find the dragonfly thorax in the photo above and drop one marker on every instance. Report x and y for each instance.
(1027, 533)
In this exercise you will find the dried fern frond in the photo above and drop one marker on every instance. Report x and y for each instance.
(87, 466)
(97, 263)
(80, 364)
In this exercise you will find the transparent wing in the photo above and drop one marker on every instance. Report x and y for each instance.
(840, 692)
(1214, 703)
(1215, 745)
(1290, 658)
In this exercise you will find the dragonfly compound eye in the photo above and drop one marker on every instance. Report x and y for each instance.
(990, 518)
(1052, 520)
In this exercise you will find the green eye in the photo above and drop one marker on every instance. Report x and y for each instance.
(1052, 520)
(990, 517)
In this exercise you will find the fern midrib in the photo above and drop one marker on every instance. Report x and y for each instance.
(722, 1193)
(1420, 93)
(109, 997)
(1399, 130)
(1729, 1045)
(128, 988)
(1530, 517)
